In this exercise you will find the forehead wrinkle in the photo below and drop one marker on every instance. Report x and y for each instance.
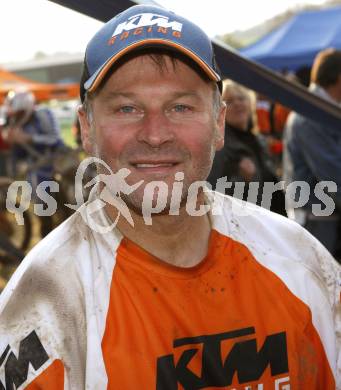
(181, 94)
(110, 95)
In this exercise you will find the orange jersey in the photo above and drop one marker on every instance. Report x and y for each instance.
(226, 322)
(93, 310)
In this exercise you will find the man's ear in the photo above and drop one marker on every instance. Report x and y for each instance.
(85, 129)
(221, 127)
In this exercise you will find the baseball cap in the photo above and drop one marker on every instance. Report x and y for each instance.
(145, 26)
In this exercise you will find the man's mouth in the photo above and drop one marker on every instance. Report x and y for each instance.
(154, 165)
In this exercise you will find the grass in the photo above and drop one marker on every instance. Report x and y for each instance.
(68, 137)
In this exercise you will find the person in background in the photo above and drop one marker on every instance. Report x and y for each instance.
(312, 152)
(34, 135)
(279, 116)
(244, 157)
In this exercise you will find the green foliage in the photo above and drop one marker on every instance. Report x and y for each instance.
(66, 130)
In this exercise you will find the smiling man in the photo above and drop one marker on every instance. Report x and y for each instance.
(213, 293)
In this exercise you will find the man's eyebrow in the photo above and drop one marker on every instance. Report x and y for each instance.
(176, 95)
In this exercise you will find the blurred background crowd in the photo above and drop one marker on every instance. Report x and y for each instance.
(265, 141)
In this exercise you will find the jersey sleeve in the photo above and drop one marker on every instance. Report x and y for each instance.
(42, 330)
(331, 272)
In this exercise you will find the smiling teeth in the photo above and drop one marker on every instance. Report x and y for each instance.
(153, 165)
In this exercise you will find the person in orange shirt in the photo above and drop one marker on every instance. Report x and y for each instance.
(158, 282)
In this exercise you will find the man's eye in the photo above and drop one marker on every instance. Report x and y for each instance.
(181, 108)
(127, 109)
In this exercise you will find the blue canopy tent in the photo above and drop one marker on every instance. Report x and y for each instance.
(296, 43)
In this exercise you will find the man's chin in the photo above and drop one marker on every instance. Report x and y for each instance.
(143, 206)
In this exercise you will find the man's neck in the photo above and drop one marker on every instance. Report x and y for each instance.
(180, 240)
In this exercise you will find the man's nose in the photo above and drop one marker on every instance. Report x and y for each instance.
(156, 129)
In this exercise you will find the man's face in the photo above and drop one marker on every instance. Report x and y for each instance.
(155, 123)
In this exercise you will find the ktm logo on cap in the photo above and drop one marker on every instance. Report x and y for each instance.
(147, 19)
